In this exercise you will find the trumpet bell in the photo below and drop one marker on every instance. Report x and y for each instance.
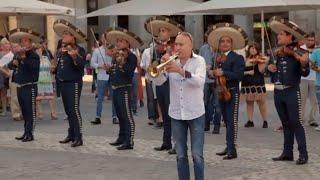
(153, 71)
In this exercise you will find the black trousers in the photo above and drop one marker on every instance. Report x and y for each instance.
(121, 100)
(163, 97)
(70, 93)
(288, 105)
(230, 115)
(151, 102)
(27, 101)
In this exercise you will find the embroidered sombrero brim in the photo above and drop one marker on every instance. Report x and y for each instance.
(113, 34)
(278, 24)
(236, 33)
(16, 35)
(153, 24)
(60, 26)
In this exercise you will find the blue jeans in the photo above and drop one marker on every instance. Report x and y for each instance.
(211, 102)
(102, 86)
(318, 95)
(180, 134)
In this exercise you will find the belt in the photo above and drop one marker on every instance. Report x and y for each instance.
(120, 86)
(26, 84)
(281, 87)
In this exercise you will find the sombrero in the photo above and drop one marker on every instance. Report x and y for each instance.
(113, 34)
(4, 41)
(60, 26)
(278, 24)
(237, 34)
(16, 35)
(153, 24)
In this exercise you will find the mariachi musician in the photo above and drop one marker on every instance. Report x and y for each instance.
(27, 64)
(164, 30)
(121, 75)
(69, 72)
(226, 37)
(289, 65)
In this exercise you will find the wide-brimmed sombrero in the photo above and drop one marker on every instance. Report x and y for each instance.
(236, 33)
(113, 34)
(60, 26)
(4, 41)
(17, 34)
(278, 24)
(153, 24)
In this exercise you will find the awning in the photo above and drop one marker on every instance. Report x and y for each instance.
(13, 7)
(252, 6)
(144, 7)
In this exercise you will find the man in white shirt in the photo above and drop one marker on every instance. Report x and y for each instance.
(187, 77)
(101, 60)
(308, 88)
(153, 114)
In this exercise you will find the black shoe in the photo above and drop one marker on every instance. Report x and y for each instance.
(249, 124)
(302, 161)
(265, 124)
(20, 137)
(27, 138)
(77, 143)
(115, 120)
(282, 157)
(172, 151)
(134, 112)
(207, 129)
(216, 129)
(116, 143)
(141, 103)
(96, 121)
(150, 122)
(66, 140)
(124, 147)
(230, 156)
(314, 124)
(158, 125)
(162, 148)
(223, 153)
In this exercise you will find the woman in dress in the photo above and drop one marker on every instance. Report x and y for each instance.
(253, 86)
(45, 87)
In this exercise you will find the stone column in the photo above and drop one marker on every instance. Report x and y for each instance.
(306, 20)
(80, 8)
(106, 21)
(194, 25)
(246, 23)
(136, 25)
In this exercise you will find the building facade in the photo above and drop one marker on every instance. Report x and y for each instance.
(196, 25)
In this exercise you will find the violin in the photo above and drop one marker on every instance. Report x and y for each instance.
(290, 50)
(224, 92)
(258, 59)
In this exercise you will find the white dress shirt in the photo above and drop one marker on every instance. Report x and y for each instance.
(98, 58)
(312, 74)
(186, 94)
(6, 59)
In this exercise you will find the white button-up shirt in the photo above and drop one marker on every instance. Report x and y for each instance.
(186, 94)
(99, 57)
(145, 61)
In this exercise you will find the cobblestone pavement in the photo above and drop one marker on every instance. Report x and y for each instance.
(46, 159)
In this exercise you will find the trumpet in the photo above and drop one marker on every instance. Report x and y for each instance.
(155, 70)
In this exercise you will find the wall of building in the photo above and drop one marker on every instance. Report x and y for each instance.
(308, 20)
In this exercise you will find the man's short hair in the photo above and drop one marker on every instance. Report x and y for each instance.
(311, 35)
